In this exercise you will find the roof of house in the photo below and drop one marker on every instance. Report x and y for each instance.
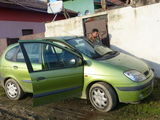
(33, 5)
(112, 2)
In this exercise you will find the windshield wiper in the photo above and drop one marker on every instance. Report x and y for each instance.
(111, 53)
(108, 53)
(96, 57)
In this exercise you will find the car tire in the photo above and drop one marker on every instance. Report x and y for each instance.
(13, 90)
(102, 96)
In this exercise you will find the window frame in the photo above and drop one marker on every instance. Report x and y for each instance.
(27, 32)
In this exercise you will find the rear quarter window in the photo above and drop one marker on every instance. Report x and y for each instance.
(11, 53)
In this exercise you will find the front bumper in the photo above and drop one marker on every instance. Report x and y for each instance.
(136, 88)
(135, 93)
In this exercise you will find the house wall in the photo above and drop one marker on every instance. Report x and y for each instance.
(7, 14)
(3, 42)
(31, 37)
(13, 29)
(134, 31)
(80, 5)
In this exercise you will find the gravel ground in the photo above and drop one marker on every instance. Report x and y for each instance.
(77, 109)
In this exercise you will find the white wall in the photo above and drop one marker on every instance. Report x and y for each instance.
(68, 27)
(135, 31)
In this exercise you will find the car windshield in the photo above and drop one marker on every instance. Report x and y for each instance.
(87, 48)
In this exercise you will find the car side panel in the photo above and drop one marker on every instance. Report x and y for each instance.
(17, 71)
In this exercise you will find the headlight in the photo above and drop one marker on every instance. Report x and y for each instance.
(135, 75)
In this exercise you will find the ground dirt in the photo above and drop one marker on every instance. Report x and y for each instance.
(77, 109)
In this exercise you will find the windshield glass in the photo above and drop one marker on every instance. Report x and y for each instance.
(86, 48)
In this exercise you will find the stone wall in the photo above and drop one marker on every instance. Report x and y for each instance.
(3, 45)
(31, 37)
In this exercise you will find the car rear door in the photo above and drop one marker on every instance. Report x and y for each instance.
(56, 72)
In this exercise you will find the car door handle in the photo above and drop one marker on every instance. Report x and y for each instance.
(15, 67)
(41, 78)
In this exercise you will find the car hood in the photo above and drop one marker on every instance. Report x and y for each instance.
(127, 61)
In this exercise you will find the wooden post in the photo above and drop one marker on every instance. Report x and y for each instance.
(104, 4)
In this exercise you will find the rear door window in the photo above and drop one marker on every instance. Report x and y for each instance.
(34, 52)
(19, 56)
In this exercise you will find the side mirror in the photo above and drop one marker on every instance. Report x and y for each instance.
(72, 62)
(76, 62)
(85, 62)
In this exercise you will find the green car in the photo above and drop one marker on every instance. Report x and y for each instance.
(64, 67)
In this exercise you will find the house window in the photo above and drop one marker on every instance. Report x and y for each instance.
(12, 40)
(27, 32)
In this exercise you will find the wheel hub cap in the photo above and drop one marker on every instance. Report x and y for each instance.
(99, 97)
(12, 90)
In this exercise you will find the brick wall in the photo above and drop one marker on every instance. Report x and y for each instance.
(31, 37)
(3, 45)
(3, 42)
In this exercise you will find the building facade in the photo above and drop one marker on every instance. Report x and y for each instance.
(24, 18)
(80, 5)
(91, 5)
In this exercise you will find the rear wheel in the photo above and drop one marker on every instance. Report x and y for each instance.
(102, 97)
(13, 90)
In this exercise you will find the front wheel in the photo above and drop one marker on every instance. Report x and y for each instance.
(13, 90)
(102, 97)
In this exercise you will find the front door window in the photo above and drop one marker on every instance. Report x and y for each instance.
(34, 55)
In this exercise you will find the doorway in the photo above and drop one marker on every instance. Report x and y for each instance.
(100, 23)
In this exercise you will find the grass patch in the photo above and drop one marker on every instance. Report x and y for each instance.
(2, 93)
(148, 109)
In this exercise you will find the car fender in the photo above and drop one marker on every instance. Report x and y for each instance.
(11, 77)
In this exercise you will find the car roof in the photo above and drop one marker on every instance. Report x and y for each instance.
(62, 38)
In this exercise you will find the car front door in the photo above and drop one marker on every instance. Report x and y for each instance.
(56, 72)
